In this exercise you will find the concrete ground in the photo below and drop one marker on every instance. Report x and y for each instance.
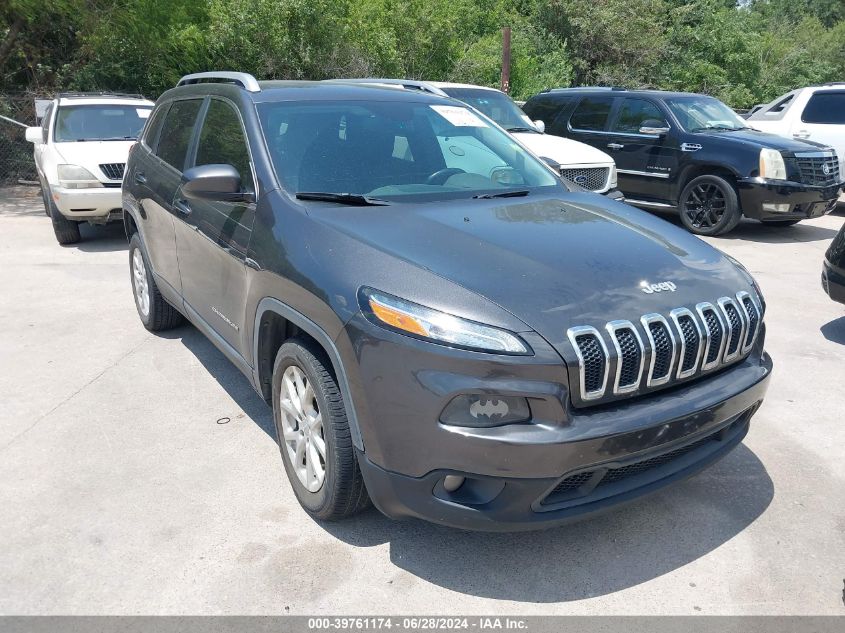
(122, 491)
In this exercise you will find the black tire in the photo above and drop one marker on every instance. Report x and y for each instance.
(781, 223)
(342, 492)
(159, 315)
(45, 196)
(66, 231)
(709, 206)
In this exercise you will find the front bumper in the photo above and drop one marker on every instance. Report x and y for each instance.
(512, 471)
(804, 201)
(833, 282)
(88, 204)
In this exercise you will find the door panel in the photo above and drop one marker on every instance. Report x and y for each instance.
(159, 174)
(212, 237)
(645, 163)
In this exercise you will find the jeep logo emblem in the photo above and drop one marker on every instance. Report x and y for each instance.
(663, 286)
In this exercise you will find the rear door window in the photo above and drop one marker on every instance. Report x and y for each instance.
(153, 126)
(825, 107)
(222, 141)
(592, 114)
(176, 132)
(635, 112)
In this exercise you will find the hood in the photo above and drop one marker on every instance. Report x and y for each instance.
(756, 139)
(92, 154)
(553, 262)
(562, 150)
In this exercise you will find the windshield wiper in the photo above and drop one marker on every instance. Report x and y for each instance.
(352, 199)
(522, 129)
(504, 194)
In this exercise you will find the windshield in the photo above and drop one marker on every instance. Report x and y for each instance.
(496, 105)
(386, 149)
(698, 113)
(103, 122)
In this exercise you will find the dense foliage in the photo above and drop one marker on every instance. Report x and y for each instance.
(744, 53)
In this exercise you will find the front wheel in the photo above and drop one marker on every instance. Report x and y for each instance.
(66, 231)
(709, 206)
(313, 434)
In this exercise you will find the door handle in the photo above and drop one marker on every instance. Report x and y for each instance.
(140, 178)
(182, 207)
(801, 134)
(615, 145)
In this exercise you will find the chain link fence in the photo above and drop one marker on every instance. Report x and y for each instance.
(16, 163)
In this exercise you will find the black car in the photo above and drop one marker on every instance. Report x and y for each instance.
(691, 152)
(833, 272)
(479, 347)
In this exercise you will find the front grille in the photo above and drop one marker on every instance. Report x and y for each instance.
(812, 167)
(663, 349)
(592, 178)
(631, 355)
(684, 346)
(714, 334)
(113, 171)
(692, 342)
(594, 361)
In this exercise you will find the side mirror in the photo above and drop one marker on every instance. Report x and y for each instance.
(654, 127)
(34, 135)
(540, 125)
(221, 183)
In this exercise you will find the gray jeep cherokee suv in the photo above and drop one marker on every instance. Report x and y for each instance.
(460, 339)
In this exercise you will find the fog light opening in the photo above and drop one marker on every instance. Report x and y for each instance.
(452, 482)
(777, 207)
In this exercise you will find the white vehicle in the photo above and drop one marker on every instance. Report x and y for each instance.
(815, 113)
(80, 151)
(580, 163)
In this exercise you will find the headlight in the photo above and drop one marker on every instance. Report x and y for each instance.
(76, 177)
(772, 166)
(613, 176)
(411, 318)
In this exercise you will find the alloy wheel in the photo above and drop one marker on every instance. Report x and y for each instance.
(302, 428)
(705, 205)
(139, 281)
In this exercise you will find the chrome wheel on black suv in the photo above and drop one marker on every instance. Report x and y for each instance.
(709, 206)
(313, 433)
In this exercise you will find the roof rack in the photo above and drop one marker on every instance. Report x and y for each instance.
(408, 84)
(125, 95)
(617, 88)
(244, 80)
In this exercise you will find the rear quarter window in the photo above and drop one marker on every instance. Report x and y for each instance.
(825, 107)
(546, 109)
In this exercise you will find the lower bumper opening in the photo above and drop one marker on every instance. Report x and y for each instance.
(603, 482)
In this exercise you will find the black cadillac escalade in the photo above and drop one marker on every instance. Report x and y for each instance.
(465, 341)
(692, 153)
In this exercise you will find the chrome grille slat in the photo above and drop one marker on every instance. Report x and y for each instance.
(629, 355)
(113, 171)
(662, 359)
(735, 328)
(692, 341)
(615, 361)
(583, 340)
(752, 319)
